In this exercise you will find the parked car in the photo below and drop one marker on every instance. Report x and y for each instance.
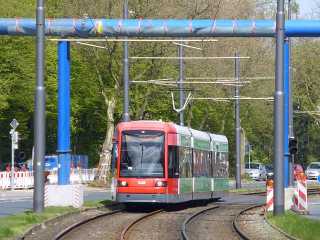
(313, 170)
(269, 169)
(256, 171)
(297, 169)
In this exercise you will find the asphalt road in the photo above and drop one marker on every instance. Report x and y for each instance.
(12, 202)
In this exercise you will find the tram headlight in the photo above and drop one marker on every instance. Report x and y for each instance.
(161, 183)
(122, 184)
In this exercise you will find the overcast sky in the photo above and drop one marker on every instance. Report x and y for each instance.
(306, 6)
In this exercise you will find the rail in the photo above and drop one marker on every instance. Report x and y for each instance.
(65, 231)
(124, 233)
(183, 228)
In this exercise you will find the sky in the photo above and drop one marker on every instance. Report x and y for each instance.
(306, 7)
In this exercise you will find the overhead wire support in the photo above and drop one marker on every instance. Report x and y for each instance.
(183, 107)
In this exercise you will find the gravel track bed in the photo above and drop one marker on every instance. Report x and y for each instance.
(53, 227)
(162, 226)
(215, 224)
(254, 225)
(108, 227)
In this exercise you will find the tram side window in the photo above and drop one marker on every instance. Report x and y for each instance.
(201, 163)
(185, 162)
(173, 166)
(114, 156)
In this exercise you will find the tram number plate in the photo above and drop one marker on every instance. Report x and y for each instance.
(141, 182)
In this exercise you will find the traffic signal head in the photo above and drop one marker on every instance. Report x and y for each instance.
(293, 146)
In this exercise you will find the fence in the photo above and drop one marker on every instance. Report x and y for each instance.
(76, 176)
(24, 180)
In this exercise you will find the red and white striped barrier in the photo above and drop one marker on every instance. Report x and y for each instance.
(300, 197)
(77, 176)
(21, 180)
(269, 203)
(24, 180)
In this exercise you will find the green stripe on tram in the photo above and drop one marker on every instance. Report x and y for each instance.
(185, 185)
(202, 184)
(221, 184)
(201, 144)
(185, 141)
(222, 147)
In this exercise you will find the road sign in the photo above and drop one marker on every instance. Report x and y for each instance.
(14, 123)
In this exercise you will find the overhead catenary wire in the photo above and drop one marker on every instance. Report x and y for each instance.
(128, 40)
(186, 58)
(307, 112)
(235, 98)
(191, 82)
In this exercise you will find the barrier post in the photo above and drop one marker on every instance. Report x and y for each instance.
(269, 202)
(300, 199)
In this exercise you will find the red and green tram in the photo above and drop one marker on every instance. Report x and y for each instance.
(160, 162)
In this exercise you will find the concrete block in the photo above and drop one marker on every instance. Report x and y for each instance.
(288, 201)
(63, 195)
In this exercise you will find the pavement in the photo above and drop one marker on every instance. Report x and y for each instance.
(314, 207)
(12, 202)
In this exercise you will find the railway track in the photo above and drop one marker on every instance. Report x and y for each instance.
(232, 221)
(213, 223)
(80, 224)
(126, 232)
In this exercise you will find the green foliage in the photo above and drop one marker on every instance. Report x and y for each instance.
(297, 226)
(15, 225)
(97, 77)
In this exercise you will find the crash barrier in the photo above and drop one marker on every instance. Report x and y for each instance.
(300, 197)
(24, 180)
(269, 203)
(297, 200)
(21, 180)
(77, 176)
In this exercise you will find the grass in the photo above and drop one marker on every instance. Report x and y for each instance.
(297, 226)
(16, 225)
(13, 226)
(247, 190)
(96, 204)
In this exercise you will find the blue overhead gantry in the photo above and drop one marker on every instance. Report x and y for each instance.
(88, 27)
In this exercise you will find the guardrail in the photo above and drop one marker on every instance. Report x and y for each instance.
(24, 180)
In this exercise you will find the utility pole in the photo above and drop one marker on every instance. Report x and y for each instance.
(249, 156)
(126, 115)
(237, 121)
(14, 145)
(291, 133)
(279, 113)
(181, 78)
(39, 115)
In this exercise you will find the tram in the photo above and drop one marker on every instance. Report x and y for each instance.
(161, 162)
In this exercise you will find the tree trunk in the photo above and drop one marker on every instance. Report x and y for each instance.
(105, 156)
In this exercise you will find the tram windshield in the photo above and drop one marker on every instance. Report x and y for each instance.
(142, 154)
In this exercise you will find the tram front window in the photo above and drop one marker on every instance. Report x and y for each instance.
(142, 154)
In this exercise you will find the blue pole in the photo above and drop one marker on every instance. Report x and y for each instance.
(286, 113)
(64, 157)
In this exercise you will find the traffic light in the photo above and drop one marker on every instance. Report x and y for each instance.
(293, 146)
